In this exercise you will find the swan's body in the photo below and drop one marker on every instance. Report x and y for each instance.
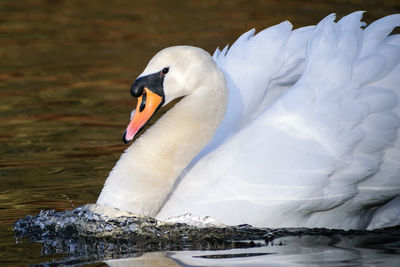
(309, 138)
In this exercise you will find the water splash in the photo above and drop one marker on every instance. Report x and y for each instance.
(92, 232)
(99, 232)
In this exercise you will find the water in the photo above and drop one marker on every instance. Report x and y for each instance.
(65, 72)
(90, 234)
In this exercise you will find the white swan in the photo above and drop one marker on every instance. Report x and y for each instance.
(309, 137)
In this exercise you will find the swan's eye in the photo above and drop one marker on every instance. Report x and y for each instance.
(165, 70)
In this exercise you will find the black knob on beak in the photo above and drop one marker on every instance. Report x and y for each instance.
(153, 82)
(137, 88)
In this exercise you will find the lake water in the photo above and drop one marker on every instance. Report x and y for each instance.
(66, 71)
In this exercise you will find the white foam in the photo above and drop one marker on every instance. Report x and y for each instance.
(196, 221)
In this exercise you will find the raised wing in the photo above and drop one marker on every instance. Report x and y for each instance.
(258, 69)
(324, 152)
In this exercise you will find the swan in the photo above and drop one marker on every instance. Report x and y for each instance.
(286, 128)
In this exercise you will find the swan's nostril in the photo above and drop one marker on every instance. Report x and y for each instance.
(143, 104)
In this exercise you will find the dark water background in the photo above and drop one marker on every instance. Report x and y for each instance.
(65, 72)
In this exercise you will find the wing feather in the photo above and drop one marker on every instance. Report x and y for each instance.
(324, 151)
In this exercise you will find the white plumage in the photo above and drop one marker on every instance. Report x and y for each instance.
(309, 137)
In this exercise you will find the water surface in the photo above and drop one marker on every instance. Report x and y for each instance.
(65, 72)
(94, 233)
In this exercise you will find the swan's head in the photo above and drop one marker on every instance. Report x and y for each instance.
(172, 73)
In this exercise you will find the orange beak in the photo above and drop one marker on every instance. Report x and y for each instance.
(146, 106)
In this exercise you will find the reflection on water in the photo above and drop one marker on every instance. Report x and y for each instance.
(64, 87)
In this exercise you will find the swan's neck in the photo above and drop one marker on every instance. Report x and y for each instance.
(146, 172)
